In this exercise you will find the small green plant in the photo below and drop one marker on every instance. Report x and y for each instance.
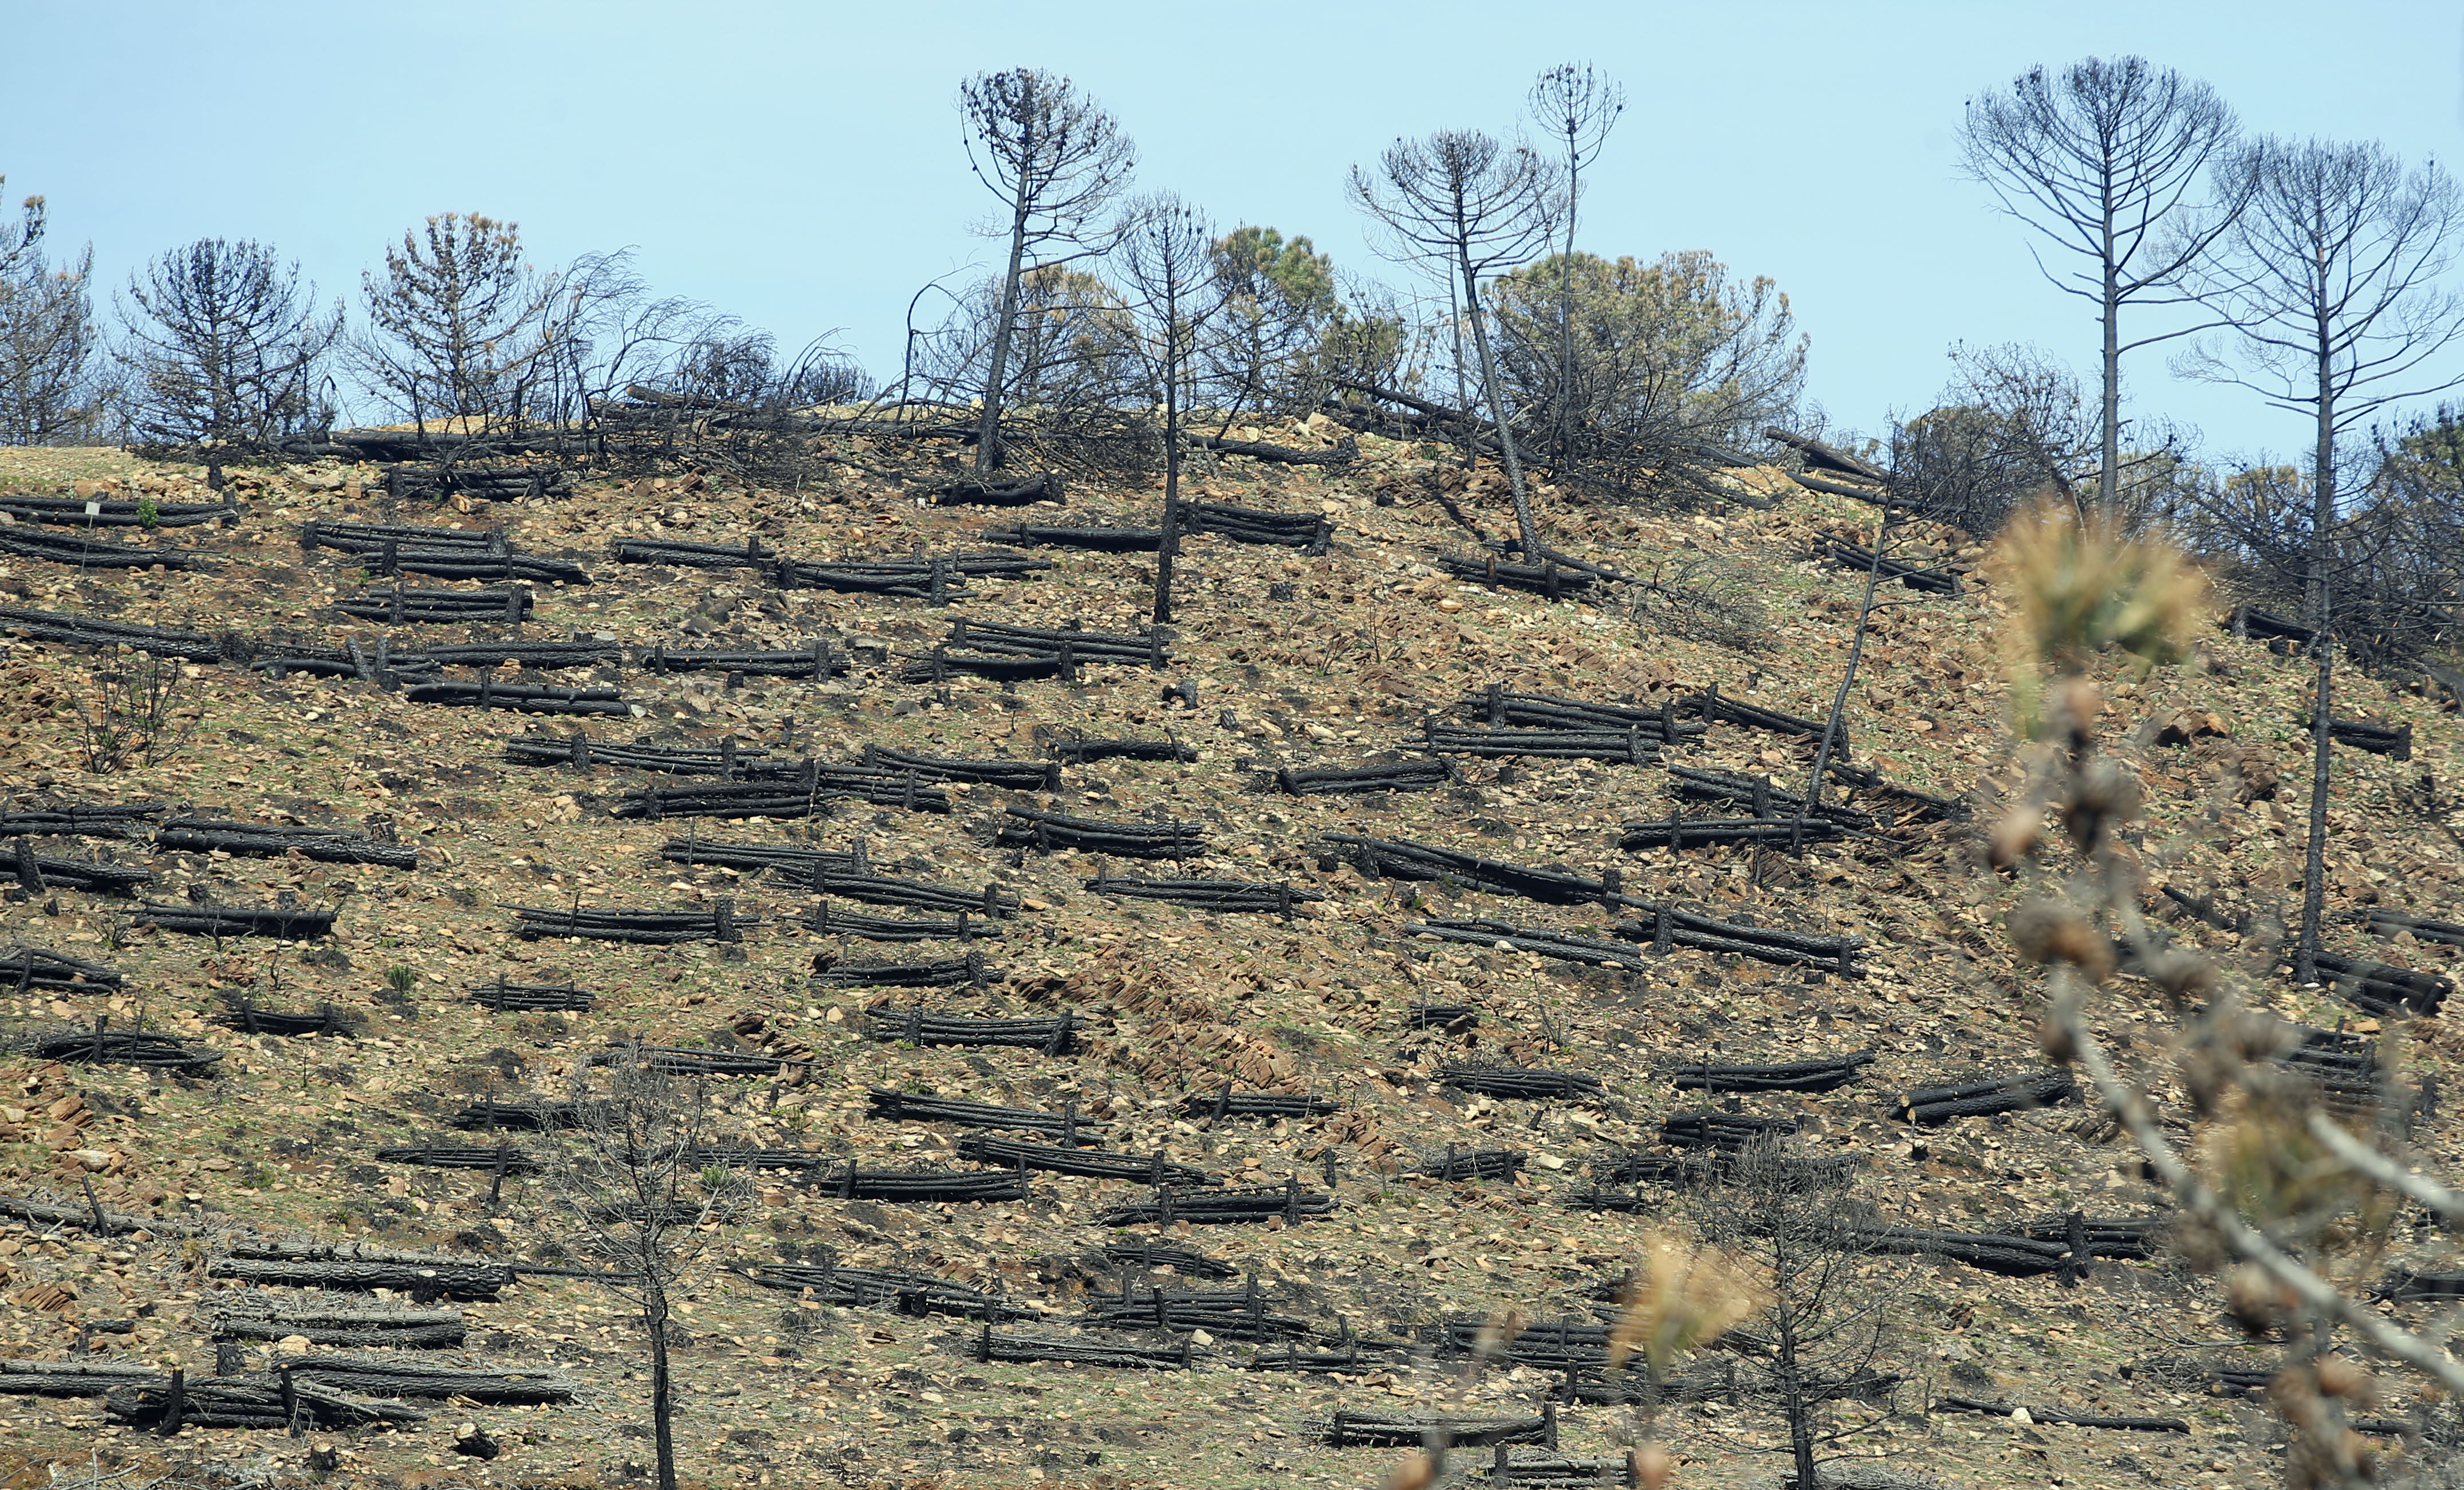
(149, 513)
(401, 979)
(714, 1176)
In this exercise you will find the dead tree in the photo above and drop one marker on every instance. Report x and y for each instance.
(1056, 159)
(1576, 107)
(1462, 199)
(2101, 158)
(457, 324)
(48, 339)
(2327, 281)
(623, 1186)
(1168, 258)
(1825, 1323)
(224, 350)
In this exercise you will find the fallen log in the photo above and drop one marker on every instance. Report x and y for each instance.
(1221, 1207)
(489, 694)
(944, 972)
(1390, 1431)
(679, 1060)
(2132, 1238)
(1350, 781)
(798, 795)
(1402, 859)
(1014, 775)
(272, 840)
(94, 631)
(1044, 832)
(2012, 1257)
(1308, 531)
(1728, 1132)
(1983, 1097)
(1679, 832)
(2345, 1068)
(408, 482)
(34, 967)
(1478, 1164)
(2393, 741)
(1090, 1164)
(813, 661)
(884, 890)
(1100, 540)
(1065, 644)
(927, 1187)
(787, 859)
(1820, 1074)
(1540, 941)
(111, 512)
(87, 1216)
(497, 1158)
(104, 1047)
(503, 998)
(1823, 458)
(242, 1014)
(654, 928)
(531, 657)
(2376, 921)
(988, 1347)
(88, 1378)
(38, 872)
(88, 553)
(409, 1376)
(261, 1399)
(2061, 1419)
(1216, 896)
(79, 820)
(2382, 987)
(402, 606)
(336, 1324)
(2248, 620)
(1224, 1316)
(1523, 1085)
(825, 920)
(916, 1294)
(360, 1269)
(690, 556)
(1453, 1018)
(1671, 926)
(1342, 453)
(1547, 578)
(1079, 751)
(1634, 746)
(914, 1107)
(358, 538)
(384, 667)
(1848, 555)
(1760, 795)
(1052, 1036)
(580, 753)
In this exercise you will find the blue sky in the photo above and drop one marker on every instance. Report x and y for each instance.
(801, 165)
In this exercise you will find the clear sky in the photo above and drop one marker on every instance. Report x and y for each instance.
(801, 165)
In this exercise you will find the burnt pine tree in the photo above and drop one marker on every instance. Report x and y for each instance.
(224, 350)
(1167, 255)
(1576, 107)
(2103, 158)
(1461, 199)
(458, 322)
(626, 1184)
(47, 338)
(1810, 1358)
(2328, 281)
(1056, 160)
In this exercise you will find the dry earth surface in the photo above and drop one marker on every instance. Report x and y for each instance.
(1295, 660)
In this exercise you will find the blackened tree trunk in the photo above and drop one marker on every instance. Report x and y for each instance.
(1793, 1403)
(988, 446)
(2323, 646)
(662, 1401)
(1495, 388)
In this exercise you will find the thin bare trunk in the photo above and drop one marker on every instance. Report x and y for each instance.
(1835, 722)
(988, 452)
(2108, 484)
(1170, 548)
(663, 1411)
(1497, 410)
(2322, 644)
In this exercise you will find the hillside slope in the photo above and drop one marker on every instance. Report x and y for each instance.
(1280, 660)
